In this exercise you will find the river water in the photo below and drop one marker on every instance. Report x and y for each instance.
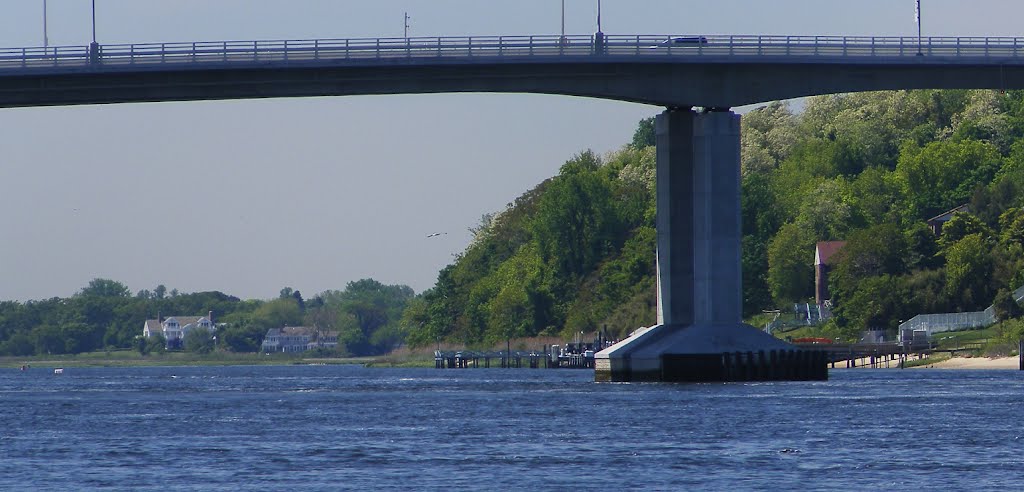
(351, 428)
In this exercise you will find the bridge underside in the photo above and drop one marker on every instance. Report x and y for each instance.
(674, 85)
(700, 335)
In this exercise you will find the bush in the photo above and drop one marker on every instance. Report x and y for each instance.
(199, 341)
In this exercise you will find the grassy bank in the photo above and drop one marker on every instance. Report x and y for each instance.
(927, 361)
(134, 359)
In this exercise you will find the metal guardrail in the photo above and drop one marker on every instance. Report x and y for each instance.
(765, 48)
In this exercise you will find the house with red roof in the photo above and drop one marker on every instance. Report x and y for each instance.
(824, 259)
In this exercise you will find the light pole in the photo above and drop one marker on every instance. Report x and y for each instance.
(94, 48)
(917, 18)
(407, 25)
(46, 37)
(563, 21)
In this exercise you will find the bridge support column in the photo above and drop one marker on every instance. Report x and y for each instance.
(700, 294)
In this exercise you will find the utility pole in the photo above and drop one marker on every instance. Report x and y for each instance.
(407, 25)
(46, 37)
(563, 21)
(917, 18)
(94, 48)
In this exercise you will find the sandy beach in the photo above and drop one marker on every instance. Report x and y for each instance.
(1006, 363)
(1012, 363)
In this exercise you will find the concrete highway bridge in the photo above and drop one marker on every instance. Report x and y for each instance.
(700, 335)
(670, 71)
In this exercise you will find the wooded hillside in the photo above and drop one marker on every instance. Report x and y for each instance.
(576, 253)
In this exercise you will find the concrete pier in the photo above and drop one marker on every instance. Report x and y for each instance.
(700, 295)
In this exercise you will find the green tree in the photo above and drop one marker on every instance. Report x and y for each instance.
(875, 251)
(944, 174)
(366, 315)
(156, 344)
(48, 340)
(199, 341)
(19, 344)
(576, 223)
(277, 313)
(790, 265)
(968, 268)
(1011, 228)
(984, 119)
(825, 213)
(645, 135)
(101, 287)
(242, 339)
(960, 226)
(878, 303)
(875, 196)
(869, 263)
(512, 309)
(767, 137)
(1006, 307)
(922, 248)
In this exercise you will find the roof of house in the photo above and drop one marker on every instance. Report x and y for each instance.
(945, 216)
(299, 331)
(157, 326)
(186, 320)
(825, 250)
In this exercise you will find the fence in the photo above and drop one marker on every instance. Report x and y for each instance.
(938, 323)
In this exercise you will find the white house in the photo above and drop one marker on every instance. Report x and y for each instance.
(174, 328)
(294, 339)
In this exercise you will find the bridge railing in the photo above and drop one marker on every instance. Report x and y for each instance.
(463, 48)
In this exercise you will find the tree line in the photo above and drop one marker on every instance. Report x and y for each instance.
(105, 315)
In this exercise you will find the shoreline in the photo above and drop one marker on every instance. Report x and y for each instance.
(178, 360)
(93, 362)
(969, 363)
(953, 363)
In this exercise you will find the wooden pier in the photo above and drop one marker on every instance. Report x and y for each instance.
(875, 355)
(514, 359)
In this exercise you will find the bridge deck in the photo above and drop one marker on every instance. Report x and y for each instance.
(633, 48)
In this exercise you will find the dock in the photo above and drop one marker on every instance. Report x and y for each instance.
(875, 355)
(569, 356)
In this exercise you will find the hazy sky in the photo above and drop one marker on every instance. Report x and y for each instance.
(247, 197)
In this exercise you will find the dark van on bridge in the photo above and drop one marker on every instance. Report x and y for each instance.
(682, 41)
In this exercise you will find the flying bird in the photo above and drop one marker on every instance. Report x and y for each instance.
(437, 234)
